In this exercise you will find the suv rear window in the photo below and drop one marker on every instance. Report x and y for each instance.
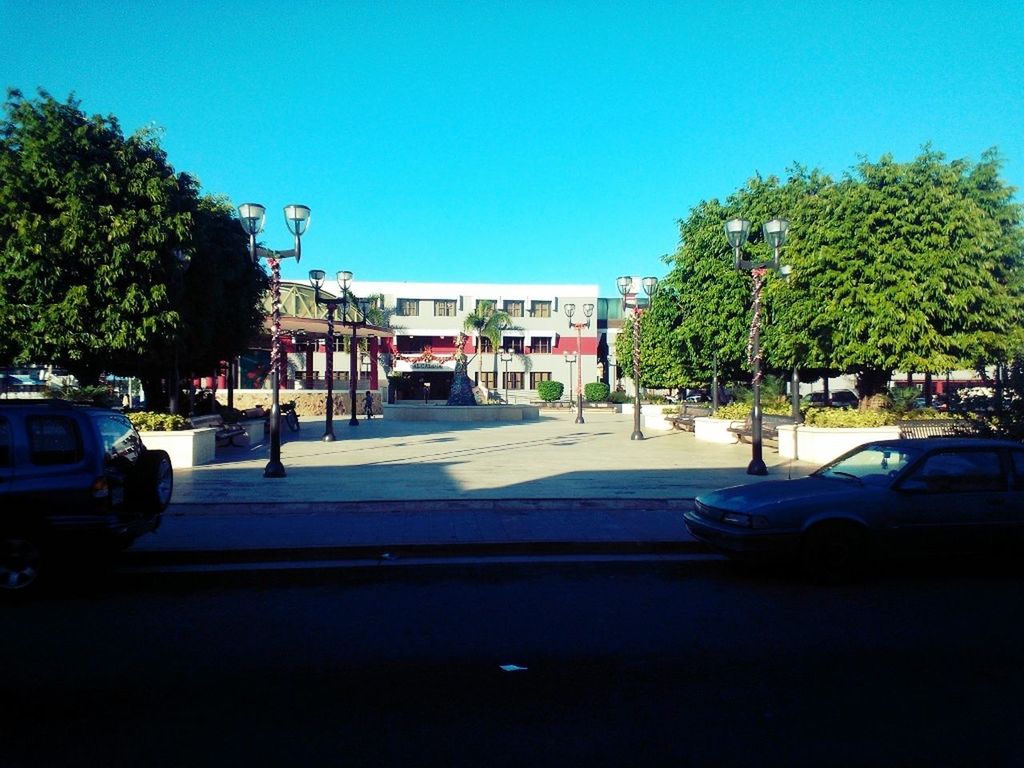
(54, 440)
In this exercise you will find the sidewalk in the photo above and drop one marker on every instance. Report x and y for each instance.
(413, 487)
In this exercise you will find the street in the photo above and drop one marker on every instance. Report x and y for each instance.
(611, 663)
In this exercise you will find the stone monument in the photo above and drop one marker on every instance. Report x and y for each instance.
(462, 387)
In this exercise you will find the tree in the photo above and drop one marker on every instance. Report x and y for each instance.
(897, 266)
(95, 231)
(486, 321)
(916, 267)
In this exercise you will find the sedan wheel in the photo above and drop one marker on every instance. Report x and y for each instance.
(834, 552)
(19, 562)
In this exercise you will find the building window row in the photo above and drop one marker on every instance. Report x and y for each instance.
(449, 307)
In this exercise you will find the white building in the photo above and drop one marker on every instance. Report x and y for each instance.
(544, 342)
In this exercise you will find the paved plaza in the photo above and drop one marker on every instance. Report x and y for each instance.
(449, 489)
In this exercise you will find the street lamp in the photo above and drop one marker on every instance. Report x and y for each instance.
(357, 319)
(625, 286)
(775, 231)
(588, 310)
(252, 216)
(316, 279)
(506, 358)
(570, 358)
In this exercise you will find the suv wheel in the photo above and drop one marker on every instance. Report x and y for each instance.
(20, 558)
(154, 481)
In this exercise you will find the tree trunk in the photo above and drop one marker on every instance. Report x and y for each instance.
(871, 382)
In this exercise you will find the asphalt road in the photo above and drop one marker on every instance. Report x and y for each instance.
(649, 663)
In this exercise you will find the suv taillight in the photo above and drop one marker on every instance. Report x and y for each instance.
(100, 488)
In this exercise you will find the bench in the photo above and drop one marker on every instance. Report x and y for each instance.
(687, 413)
(917, 429)
(770, 423)
(227, 434)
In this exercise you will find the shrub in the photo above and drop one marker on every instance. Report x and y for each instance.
(595, 391)
(736, 411)
(147, 421)
(619, 397)
(549, 391)
(847, 417)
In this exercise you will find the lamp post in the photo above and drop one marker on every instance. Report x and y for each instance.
(570, 358)
(316, 279)
(357, 319)
(736, 231)
(588, 310)
(506, 358)
(625, 286)
(252, 216)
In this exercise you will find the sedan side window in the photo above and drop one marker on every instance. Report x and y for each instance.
(1018, 470)
(6, 444)
(958, 472)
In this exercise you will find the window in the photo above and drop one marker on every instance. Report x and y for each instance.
(536, 377)
(514, 308)
(485, 344)
(489, 379)
(515, 343)
(444, 308)
(540, 308)
(408, 307)
(959, 472)
(54, 440)
(513, 380)
(541, 345)
(1018, 470)
(6, 444)
(408, 344)
(119, 438)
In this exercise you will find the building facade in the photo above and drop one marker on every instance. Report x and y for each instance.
(541, 343)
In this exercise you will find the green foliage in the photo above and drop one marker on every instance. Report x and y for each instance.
(95, 231)
(736, 411)
(549, 391)
(486, 321)
(93, 395)
(595, 391)
(901, 398)
(847, 417)
(897, 266)
(147, 421)
(618, 397)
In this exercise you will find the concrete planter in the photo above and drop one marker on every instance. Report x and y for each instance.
(713, 430)
(653, 418)
(187, 447)
(819, 445)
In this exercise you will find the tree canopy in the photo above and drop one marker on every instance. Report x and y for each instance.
(911, 266)
(96, 230)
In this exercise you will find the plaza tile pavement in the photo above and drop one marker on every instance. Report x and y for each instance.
(388, 485)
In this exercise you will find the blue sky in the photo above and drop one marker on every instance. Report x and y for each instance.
(523, 141)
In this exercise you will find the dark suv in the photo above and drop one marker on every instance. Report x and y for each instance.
(74, 480)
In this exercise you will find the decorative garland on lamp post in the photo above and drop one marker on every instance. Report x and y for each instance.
(755, 359)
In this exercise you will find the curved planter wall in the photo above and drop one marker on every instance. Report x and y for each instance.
(187, 447)
(819, 445)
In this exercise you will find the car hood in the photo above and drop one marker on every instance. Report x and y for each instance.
(762, 498)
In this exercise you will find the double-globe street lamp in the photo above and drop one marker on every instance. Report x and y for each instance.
(316, 279)
(625, 286)
(353, 314)
(570, 310)
(775, 231)
(252, 217)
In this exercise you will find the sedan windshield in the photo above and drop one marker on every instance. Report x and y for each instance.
(872, 464)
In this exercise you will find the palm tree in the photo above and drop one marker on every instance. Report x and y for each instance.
(486, 321)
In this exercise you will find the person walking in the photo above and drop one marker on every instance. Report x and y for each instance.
(368, 404)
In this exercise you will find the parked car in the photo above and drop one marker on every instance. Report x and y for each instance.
(74, 481)
(884, 498)
(839, 398)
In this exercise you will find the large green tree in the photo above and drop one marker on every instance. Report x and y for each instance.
(897, 266)
(96, 230)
